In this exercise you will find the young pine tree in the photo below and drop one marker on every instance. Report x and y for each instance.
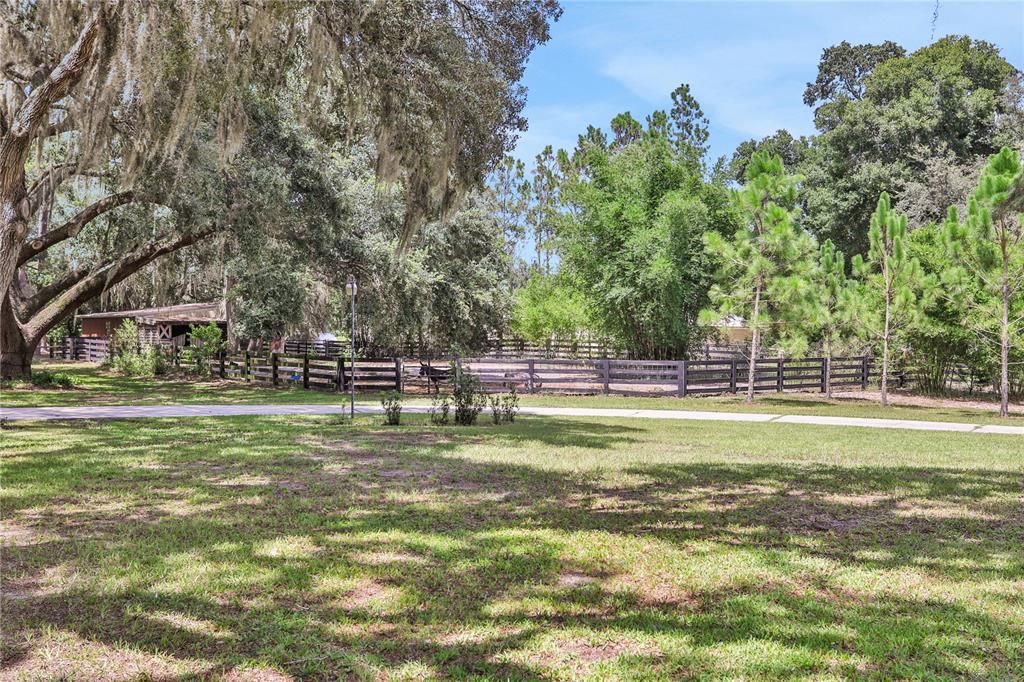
(989, 244)
(766, 248)
(895, 290)
(816, 304)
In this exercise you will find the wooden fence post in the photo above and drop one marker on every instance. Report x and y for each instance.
(529, 371)
(864, 373)
(305, 370)
(339, 377)
(220, 368)
(681, 379)
(732, 375)
(398, 374)
(606, 371)
(273, 368)
(247, 367)
(824, 374)
(780, 376)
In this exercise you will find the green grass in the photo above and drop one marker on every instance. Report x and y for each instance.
(781, 403)
(548, 549)
(97, 386)
(101, 386)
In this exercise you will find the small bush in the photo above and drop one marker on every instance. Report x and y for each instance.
(510, 405)
(47, 379)
(134, 360)
(504, 408)
(439, 408)
(207, 343)
(392, 404)
(467, 399)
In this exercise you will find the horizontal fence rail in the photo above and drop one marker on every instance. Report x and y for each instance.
(546, 375)
(75, 348)
(608, 376)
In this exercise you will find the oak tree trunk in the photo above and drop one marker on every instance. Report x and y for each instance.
(16, 350)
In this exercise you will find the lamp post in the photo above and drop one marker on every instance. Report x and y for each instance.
(351, 287)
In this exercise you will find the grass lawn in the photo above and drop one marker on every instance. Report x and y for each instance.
(309, 548)
(98, 386)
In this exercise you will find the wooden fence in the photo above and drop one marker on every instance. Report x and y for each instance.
(75, 348)
(547, 375)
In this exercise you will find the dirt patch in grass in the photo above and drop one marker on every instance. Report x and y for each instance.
(366, 593)
(575, 579)
(256, 675)
(580, 654)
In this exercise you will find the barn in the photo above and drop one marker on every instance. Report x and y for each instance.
(164, 325)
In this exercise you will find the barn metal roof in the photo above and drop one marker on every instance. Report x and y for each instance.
(186, 313)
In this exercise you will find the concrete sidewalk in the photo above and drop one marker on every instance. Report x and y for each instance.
(148, 411)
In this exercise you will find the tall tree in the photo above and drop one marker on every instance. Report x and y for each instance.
(989, 243)
(511, 191)
(103, 97)
(765, 249)
(816, 302)
(629, 235)
(883, 118)
(896, 291)
(543, 206)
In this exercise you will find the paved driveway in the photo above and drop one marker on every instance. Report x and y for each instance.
(149, 411)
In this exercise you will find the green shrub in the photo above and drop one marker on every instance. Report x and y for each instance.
(392, 404)
(46, 379)
(510, 405)
(207, 343)
(467, 398)
(439, 408)
(504, 408)
(134, 360)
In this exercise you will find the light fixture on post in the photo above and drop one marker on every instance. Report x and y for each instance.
(351, 288)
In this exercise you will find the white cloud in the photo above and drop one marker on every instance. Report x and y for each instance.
(754, 88)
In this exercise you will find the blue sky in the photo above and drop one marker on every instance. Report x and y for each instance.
(746, 62)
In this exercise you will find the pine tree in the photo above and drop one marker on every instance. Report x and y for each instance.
(767, 248)
(896, 292)
(989, 244)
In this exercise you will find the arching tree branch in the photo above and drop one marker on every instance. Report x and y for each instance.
(72, 227)
(93, 283)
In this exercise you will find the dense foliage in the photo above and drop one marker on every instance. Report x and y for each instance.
(633, 213)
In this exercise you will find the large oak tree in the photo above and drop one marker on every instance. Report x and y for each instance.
(102, 103)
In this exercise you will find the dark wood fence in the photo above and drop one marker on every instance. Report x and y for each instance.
(665, 377)
(334, 372)
(75, 348)
(547, 375)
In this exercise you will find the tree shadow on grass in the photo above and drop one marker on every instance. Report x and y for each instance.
(327, 553)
